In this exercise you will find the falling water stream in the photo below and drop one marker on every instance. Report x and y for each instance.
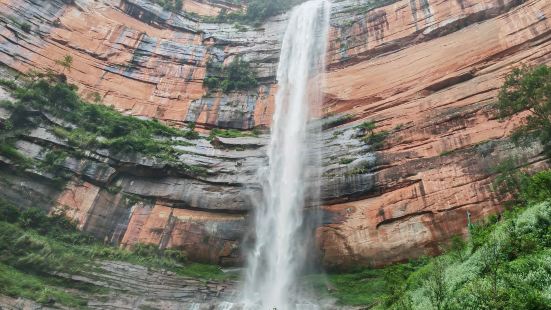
(280, 240)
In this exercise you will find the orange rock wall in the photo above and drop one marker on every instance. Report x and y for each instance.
(140, 68)
(433, 95)
(427, 71)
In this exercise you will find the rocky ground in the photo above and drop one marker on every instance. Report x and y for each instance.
(119, 285)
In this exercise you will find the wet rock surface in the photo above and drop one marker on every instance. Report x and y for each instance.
(122, 285)
(425, 71)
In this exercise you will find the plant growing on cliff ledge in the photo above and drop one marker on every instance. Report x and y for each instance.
(505, 264)
(171, 5)
(375, 139)
(237, 76)
(92, 125)
(528, 90)
(66, 62)
(256, 12)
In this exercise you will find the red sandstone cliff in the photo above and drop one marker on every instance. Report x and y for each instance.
(426, 71)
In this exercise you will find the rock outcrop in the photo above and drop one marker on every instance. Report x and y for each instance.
(119, 285)
(426, 72)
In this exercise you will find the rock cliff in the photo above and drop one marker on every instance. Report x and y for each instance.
(425, 72)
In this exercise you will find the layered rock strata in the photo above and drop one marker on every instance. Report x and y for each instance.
(425, 71)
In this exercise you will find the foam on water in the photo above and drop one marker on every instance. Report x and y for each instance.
(280, 241)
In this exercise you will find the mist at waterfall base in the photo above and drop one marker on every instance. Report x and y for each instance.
(291, 178)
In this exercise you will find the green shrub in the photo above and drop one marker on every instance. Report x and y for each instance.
(237, 76)
(368, 127)
(376, 140)
(9, 84)
(528, 90)
(505, 264)
(537, 188)
(230, 133)
(25, 27)
(346, 161)
(9, 151)
(171, 5)
(8, 212)
(338, 121)
(97, 126)
(41, 243)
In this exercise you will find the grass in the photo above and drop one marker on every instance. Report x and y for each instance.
(231, 133)
(9, 151)
(236, 76)
(338, 121)
(505, 264)
(371, 5)
(15, 283)
(357, 288)
(97, 126)
(346, 161)
(33, 246)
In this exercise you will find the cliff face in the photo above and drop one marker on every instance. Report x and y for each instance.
(425, 71)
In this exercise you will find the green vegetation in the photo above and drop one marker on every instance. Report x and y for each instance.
(231, 133)
(343, 119)
(42, 289)
(505, 264)
(34, 245)
(97, 126)
(368, 127)
(528, 90)
(346, 161)
(375, 139)
(13, 154)
(25, 27)
(447, 153)
(171, 5)
(66, 62)
(237, 76)
(256, 12)
(370, 5)
(363, 287)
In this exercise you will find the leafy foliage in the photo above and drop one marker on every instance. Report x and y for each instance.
(231, 133)
(25, 27)
(33, 245)
(238, 75)
(343, 119)
(66, 62)
(528, 90)
(505, 264)
(171, 5)
(92, 125)
(257, 11)
(375, 139)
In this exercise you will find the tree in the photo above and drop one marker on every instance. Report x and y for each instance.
(368, 127)
(528, 90)
(66, 62)
(436, 284)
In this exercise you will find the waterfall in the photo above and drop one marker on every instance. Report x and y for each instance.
(280, 238)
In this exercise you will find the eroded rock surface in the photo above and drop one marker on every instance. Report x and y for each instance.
(425, 71)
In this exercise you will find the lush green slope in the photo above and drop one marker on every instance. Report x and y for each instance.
(505, 264)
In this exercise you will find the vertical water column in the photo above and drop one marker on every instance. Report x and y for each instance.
(278, 255)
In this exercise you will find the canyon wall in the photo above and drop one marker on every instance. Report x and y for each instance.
(426, 72)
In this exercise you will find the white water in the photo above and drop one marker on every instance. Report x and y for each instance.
(280, 240)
